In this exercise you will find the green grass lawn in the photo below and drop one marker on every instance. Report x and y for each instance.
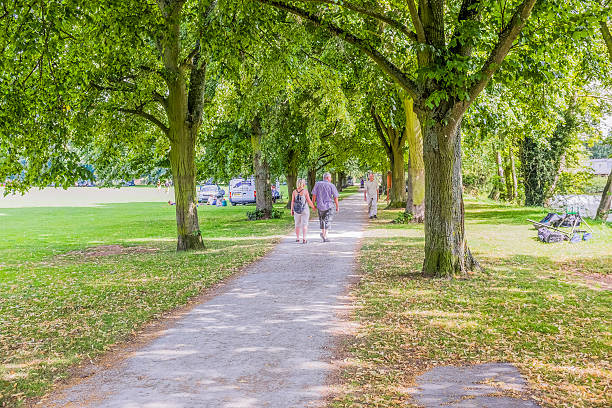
(61, 303)
(539, 306)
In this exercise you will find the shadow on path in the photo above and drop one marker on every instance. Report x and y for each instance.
(265, 341)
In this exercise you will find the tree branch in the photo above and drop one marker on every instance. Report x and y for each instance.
(370, 13)
(387, 66)
(140, 112)
(605, 32)
(130, 88)
(325, 164)
(325, 136)
(161, 99)
(379, 130)
(416, 22)
(499, 52)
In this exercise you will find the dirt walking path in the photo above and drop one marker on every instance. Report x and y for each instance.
(265, 341)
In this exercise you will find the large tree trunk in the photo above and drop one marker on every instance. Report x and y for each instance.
(606, 200)
(184, 113)
(261, 168)
(292, 174)
(446, 251)
(182, 162)
(415, 198)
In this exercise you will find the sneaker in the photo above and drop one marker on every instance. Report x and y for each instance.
(375, 216)
(371, 217)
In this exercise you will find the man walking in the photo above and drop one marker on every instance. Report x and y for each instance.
(370, 195)
(325, 194)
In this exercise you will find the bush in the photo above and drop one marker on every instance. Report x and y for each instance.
(263, 215)
(581, 182)
(403, 218)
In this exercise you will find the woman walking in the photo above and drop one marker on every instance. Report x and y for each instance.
(300, 201)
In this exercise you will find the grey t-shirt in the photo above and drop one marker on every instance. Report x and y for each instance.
(325, 192)
(371, 188)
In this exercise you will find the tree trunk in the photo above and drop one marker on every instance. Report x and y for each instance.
(182, 162)
(397, 192)
(261, 168)
(184, 113)
(606, 200)
(496, 193)
(291, 185)
(340, 181)
(292, 174)
(312, 178)
(393, 142)
(553, 185)
(446, 251)
(514, 177)
(508, 179)
(383, 182)
(415, 198)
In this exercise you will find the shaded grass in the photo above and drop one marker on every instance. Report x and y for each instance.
(531, 306)
(58, 308)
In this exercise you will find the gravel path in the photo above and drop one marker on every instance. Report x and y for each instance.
(265, 341)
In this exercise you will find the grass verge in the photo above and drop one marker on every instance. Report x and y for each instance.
(539, 306)
(75, 281)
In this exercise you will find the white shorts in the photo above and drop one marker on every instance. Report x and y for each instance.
(301, 220)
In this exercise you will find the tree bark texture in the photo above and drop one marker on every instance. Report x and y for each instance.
(446, 251)
(182, 161)
(606, 200)
(393, 141)
(261, 168)
(415, 197)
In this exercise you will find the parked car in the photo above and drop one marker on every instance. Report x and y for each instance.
(242, 191)
(208, 190)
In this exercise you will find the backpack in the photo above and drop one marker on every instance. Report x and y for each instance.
(299, 203)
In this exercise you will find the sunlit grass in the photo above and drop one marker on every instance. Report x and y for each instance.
(538, 306)
(62, 303)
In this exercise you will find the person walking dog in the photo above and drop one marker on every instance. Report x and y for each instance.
(300, 201)
(325, 195)
(370, 195)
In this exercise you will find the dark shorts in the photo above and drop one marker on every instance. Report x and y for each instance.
(325, 218)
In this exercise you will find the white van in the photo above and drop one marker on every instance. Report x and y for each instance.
(242, 191)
